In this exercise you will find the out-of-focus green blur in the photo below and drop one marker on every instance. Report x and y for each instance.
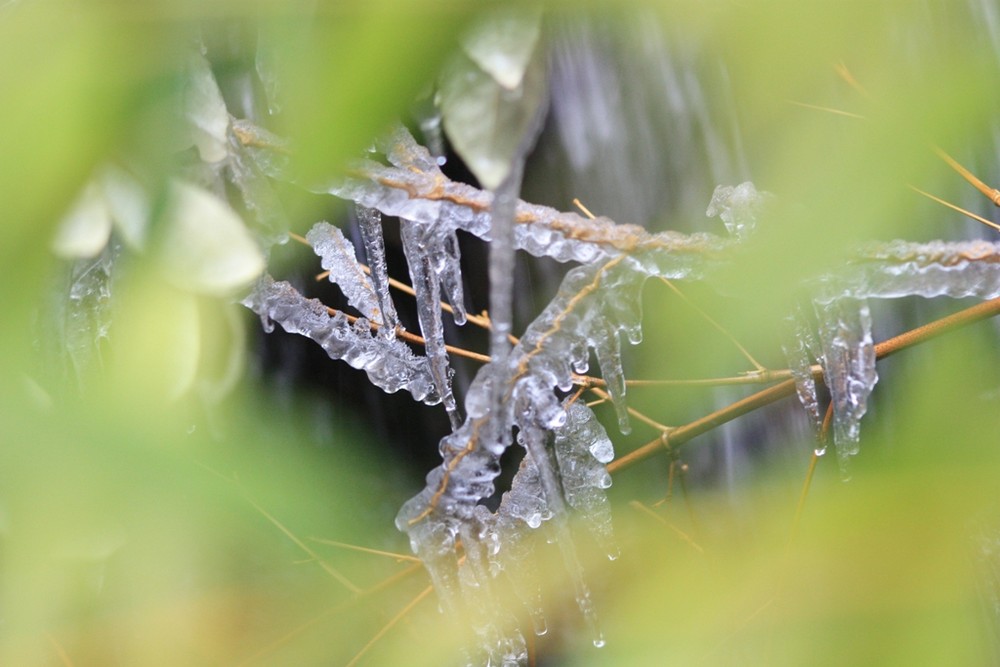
(126, 538)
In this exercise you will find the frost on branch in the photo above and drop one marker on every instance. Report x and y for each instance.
(846, 349)
(390, 364)
(337, 256)
(845, 331)
(566, 449)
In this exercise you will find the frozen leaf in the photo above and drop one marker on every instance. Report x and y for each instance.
(128, 204)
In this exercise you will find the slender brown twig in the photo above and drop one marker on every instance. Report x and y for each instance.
(682, 434)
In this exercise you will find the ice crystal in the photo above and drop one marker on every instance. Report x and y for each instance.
(390, 364)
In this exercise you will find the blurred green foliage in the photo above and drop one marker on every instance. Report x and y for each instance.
(127, 539)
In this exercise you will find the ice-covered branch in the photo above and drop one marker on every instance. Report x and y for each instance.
(389, 363)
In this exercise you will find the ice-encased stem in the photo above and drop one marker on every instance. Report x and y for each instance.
(848, 368)
(798, 345)
(337, 256)
(501, 273)
(426, 286)
(534, 441)
(390, 364)
(370, 224)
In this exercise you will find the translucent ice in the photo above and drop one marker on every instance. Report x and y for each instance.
(389, 364)
(800, 346)
(426, 286)
(370, 223)
(738, 206)
(337, 255)
(900, 268)
(848, 368)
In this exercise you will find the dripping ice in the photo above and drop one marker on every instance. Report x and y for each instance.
(389, 363)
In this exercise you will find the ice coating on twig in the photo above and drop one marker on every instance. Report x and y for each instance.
(566, 448)
(370, 223)
(582, 449)
(801, 348)
(414, 188)
(337, 255)
(501, 272)
(738, 206)
(420, 257)
(900, 268)
(390, 364)
(848, 368)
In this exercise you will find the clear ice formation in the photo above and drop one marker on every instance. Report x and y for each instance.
(85, 317)
(845, 346)
(413, 187)
(739, 207)
(566, 448)
(338, 257)
(466, 547)
(845, 332)
(423, 246)
(389, 363)
(370, 223)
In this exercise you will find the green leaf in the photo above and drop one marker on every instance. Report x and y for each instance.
(491, 95)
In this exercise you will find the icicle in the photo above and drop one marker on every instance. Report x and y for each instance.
(338, 257)
(370, 223)
(446, 257)
(798, 345)
(582, 449)
(608, 350)
(428, 294)
(848, 368)
(389, 364)
(533, 439)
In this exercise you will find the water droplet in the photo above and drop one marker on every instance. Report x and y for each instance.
(599, 641)
(820, 451)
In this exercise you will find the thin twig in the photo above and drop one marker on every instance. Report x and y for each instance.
(682, 434)
(388, 626)
(991, 193)
(961, 210)
(329, 569)
(680, 533)
(376, 552)
(760, 367)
